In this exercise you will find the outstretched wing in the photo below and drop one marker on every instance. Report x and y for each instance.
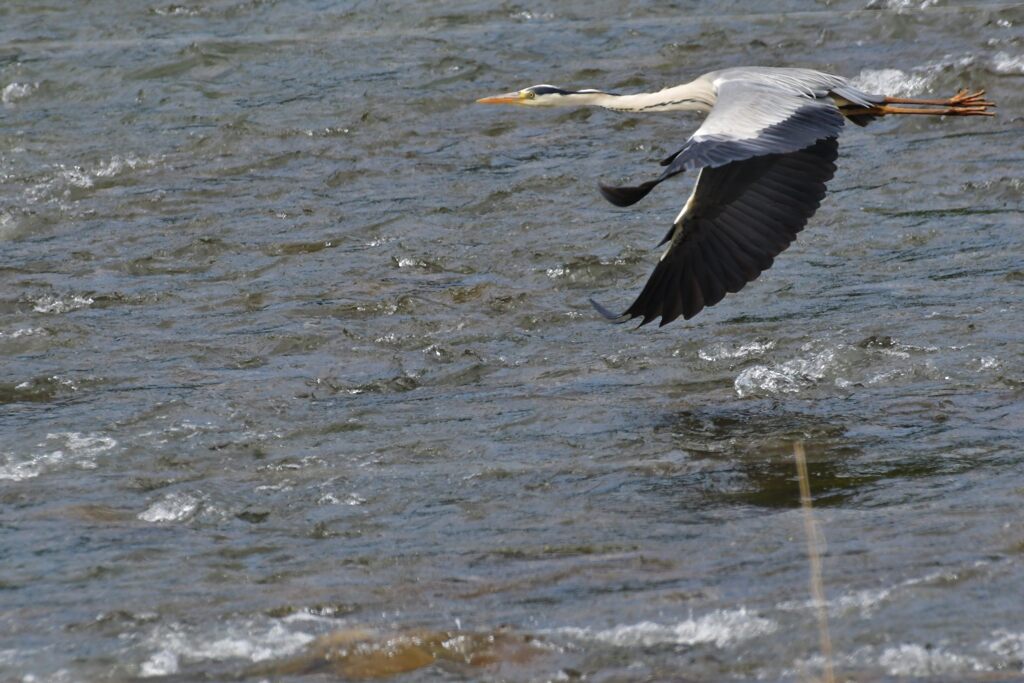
(741, 216)
(749, 119)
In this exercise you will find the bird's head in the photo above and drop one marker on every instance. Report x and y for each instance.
(543, 96)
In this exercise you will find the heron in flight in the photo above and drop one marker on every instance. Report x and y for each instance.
(763, 155)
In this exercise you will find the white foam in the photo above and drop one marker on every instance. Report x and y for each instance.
(58, 676)
(719, 351)
(901, 5)
(177, 11)
(786, 378)
(1005, 63)
(867, 599)
(893, 82)
(8, 224)
(13, 92)
(75, 176)
(57, 304)
(352, 499)
(22, 332)
(248, 641)
(78, 449)
(1007, 643)
(115, 166)
(85, 444)
(57, 187)
(52, 380)
(527, 15)
(162, 663)
(917, 660)
(720, 628)
(174, 507)
(317, 615)
(863, 601)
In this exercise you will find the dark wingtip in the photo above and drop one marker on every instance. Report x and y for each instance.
(670, 158)
(608, 315)
(626, 196)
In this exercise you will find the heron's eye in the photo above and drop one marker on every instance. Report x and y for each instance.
(530, 95)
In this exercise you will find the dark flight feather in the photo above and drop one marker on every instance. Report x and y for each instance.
(744, 214)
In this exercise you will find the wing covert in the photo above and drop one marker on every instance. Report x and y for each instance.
(749, 119)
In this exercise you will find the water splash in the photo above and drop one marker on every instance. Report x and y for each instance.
(174, 507)
(720, 628)
(13, 92)
(78, 449)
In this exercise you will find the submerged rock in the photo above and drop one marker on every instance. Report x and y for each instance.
(359, 654)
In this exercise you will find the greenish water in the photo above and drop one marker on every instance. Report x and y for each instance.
(295, 344)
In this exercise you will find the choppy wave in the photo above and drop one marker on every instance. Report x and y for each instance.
(719, 351)
(866, 601)
(177, 11)
(921, 79)
(61, 304)
(12, 92)
(19, 332)
(1008, 644)
(788, 377)
(8, 225)
(918, 660)
(900, 5)
(175, 645)
(876, 360)
(76, 449)
(1005, 63)
(57, 185)
(910, 660)
(894, 82)
(720, 628)
(174, 507)
(338, 316)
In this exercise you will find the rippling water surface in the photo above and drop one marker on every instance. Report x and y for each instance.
(299, 377)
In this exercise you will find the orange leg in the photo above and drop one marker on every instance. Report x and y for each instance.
(961, 99)
(885, 109)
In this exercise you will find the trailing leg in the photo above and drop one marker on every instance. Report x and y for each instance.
(886, 110)
(963, 98)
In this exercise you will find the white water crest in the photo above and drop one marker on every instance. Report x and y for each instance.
(174, 507)
(61, 304)
(719, 351)
(893, 82)
(12, 92)
(1005, 63)
(76, 449)
(788, 377)
(721, 628)
(176, 644)
(918, 660)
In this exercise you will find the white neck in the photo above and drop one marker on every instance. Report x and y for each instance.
(695, 96)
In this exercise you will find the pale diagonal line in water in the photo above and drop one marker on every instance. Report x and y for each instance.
(814, 559)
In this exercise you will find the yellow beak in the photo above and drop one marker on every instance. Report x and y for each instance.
(507, 98)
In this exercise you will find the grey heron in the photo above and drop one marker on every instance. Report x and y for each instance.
(763, 154)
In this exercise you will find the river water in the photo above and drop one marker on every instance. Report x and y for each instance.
(299, 380)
